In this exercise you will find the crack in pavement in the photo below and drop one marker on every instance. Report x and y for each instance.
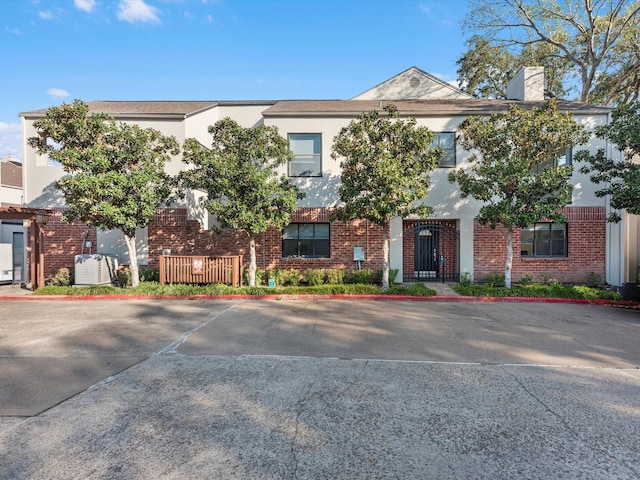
(596, 448)
(173, 348)
(294, 440)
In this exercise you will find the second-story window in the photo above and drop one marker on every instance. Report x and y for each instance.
(307, 154)
(562, 159)
(446, 141)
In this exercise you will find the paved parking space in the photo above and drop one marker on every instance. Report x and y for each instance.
(320, 389)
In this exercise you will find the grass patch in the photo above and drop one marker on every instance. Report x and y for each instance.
(555, 290)
(182, 290)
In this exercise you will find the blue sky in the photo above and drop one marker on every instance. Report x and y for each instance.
(55, 51)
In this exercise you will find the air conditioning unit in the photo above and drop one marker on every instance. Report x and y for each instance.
(95, 269)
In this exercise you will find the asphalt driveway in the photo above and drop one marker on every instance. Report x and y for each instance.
(318, 389)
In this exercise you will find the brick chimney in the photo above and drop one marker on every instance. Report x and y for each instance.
(527, 85)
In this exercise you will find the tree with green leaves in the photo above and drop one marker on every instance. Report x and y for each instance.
(386, 164)
(590, 45)
(115, 171)
(621, 179)
(514, 169)
(239, 175)
(486, 68)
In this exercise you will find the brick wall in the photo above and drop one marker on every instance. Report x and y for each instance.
(173, 230)
(586, 250)
(63, 241)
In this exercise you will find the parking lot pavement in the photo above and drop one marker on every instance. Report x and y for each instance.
(341, 389)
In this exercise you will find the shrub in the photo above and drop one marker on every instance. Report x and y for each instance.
(547, 279)
(63, 277)
(494, 280)
(149, 275)
(466, 279)
(284, 276)
(393, 273)
(123, 277)
(335, 276)
(594, 280)
(526, 280)
(259, 275)
(363, 277)
(314, 276)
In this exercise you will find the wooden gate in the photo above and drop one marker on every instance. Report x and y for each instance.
(200, 269)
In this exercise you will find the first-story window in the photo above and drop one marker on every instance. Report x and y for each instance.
(544, 239)
(306, 240)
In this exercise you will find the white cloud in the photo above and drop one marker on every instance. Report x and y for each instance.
(209, 18)
(85, 5)
(10, 139)
(13, 31)
(426, 8)
(45, 15)
(137, 11)
(57, 92)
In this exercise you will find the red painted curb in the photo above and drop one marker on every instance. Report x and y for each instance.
(445, 298)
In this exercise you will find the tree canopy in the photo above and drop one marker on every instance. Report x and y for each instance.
(115, 171)
(591, 47)
(386, 164)
(239, 175)
(515, 170)
(620, 179)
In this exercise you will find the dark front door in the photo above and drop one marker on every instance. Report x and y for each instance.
(427, 253)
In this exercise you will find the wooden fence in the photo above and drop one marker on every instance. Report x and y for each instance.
(199, 269)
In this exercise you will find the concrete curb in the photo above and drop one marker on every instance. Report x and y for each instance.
(434, 298)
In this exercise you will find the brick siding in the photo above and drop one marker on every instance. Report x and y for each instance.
(63, 241)
(586, 228)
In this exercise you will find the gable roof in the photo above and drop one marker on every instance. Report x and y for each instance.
(413, 83)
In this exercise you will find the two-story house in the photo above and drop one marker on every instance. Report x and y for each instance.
(439, 248)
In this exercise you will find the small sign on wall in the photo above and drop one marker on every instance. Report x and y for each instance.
(197, 267)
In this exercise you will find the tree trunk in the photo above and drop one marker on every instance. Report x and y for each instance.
(509, 262)
(385, 256)
(252, 261)
(133, 259)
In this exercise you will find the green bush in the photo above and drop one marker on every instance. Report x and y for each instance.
(149, 275)
(547, 279)
(123, 277)
(335, 276)
(526, 280)
(63, 277)
(393, 273)
(494, 280)
(259, 275)
(466, 279)
(555, 290)
(362, 277)
(284, 277)
(594, 280)
(314, 276)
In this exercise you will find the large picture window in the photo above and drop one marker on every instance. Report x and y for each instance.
(544, 239)
(446, 141)
(307, 154)
(309, 240)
